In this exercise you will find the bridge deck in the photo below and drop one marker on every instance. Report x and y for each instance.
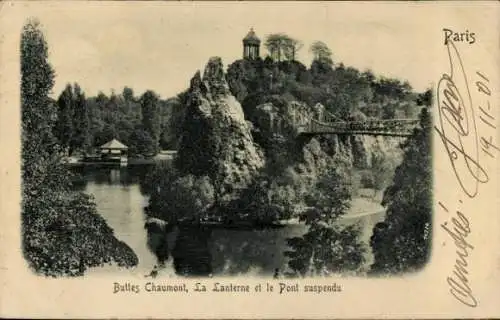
(396, 127)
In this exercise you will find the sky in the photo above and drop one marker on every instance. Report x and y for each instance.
(160, 46)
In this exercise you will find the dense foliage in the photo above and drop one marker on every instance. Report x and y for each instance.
(62, 232)
(402, 242)
(327, 247)
(175, 197)
(150, 110)
(344, 91)
(145, 124)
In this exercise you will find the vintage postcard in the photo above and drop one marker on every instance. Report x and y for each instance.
(249, 159)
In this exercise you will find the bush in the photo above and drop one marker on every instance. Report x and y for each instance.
(176, 198)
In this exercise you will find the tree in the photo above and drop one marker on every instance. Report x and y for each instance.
(389, 111)
(402, 241)
(281, 46)
(141, 142)
(101, 99)
(44, 178)
(322, 75)
(321, 53)
(382, 170)
(128, 99)
(327, 247)
(107, 133)
(81, 139)
(40, 152)
(128, 94)
(62, 232)
(292, 46)
(273, 45)
(111, 108)
(323, 251)
(151, 116)
(175, 197)
(425, 99)
(63, 129)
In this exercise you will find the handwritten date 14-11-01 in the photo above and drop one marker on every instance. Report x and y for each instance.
(486, 116)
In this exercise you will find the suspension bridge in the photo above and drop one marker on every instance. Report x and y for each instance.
(325, 123)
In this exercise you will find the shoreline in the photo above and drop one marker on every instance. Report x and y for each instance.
(249, 225)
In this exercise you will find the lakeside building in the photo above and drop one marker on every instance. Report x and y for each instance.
(114, 150)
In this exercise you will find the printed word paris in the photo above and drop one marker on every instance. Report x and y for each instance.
(469, 37)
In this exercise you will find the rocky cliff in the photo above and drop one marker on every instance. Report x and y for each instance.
(371, 160)
(216, 139)
(282, 118)
(366, 148)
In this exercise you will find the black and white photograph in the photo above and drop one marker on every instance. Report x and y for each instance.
(283, 161)
(166, 144)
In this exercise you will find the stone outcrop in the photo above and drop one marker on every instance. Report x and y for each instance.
(365, 148)
(216, 139)
(283, 118)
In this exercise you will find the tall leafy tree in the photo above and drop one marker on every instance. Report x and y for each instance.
(151, 116)
(141, 142)
(40, 152)
(402, 241)
(44, 179)
(62, 232)
(292, 46)
(273, 46)
(128, 94)
(63, 129)
(281, 46)
(81, 122)
(321, 52)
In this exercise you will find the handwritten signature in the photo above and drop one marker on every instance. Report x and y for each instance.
(458, 282)
(457, 126)
(459, 134)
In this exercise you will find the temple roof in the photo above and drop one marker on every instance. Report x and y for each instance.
(251, 38)
(114, 144)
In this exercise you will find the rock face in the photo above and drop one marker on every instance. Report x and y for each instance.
(216, 139)
(283, 118)
(365, 148)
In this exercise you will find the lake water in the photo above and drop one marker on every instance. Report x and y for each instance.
(120, 197)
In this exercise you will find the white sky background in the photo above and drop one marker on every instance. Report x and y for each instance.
(159, 46)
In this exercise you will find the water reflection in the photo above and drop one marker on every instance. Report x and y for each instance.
(120, 201)
(191, 253)
(121, 195)
(205, 251)
(110, 175)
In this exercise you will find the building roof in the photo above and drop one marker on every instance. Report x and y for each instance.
(113, 144)
(251, 38)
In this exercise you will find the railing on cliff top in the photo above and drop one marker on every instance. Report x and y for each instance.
(328, 124)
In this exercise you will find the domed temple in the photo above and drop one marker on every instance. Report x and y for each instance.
(251, 45)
